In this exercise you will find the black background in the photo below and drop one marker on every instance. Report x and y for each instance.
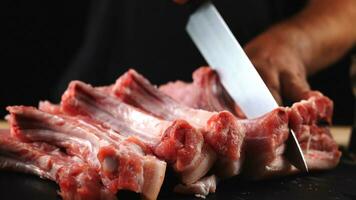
(41, 38)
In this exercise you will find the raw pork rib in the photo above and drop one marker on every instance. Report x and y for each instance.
(176, 142)
(309, 119)
(265, 143)
(119, 137)
(221, 129)
(122, 162)
(206, 92)
(76, 179)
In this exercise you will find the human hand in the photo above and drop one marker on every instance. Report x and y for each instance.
(277, 56)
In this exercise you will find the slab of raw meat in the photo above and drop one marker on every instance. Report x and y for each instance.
(76, 179)
(221, 129)
(205, 92)
(176, 142)
(309, 119)
(122, 163)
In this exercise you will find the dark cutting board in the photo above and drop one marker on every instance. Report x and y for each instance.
(337, 184)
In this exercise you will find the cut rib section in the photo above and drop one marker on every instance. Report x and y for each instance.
(220, 129)
(76, 179)
(122, 163)
(175, 141)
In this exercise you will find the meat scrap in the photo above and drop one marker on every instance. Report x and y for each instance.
(49, 107)
(200, 188)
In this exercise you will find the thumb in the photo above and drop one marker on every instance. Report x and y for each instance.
(294, 86)
(276, 95)
(271, 79)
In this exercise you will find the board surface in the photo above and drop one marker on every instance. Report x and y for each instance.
(3, 124)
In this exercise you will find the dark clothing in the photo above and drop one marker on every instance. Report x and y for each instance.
(150, 37)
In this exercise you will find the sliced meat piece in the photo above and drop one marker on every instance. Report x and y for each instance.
(76, 179)
(205, 92)
(222, 131)
(177, 142)
(122, 163)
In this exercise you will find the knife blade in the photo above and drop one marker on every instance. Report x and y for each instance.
(223, 53)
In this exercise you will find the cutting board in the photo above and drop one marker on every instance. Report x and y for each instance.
(338, 183)
(3, 124)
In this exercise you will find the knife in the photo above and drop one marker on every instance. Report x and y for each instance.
(221, 50)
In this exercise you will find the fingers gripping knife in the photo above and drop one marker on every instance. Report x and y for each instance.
(223, 53)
